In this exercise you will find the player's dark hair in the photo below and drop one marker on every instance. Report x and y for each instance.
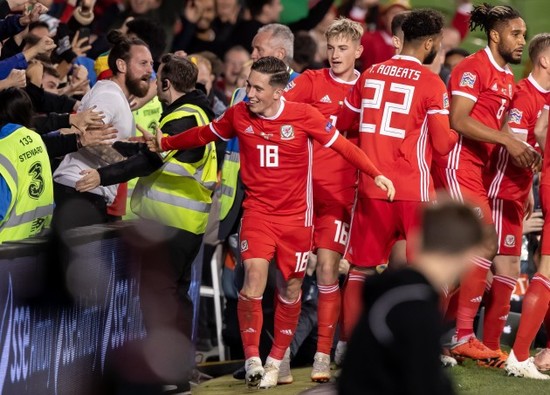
(487, 17)
(36, 24)
(151, 32)
(181, 72)
(450, 228)
(397, 22)
(422, 23)
(537, 45)
(15, 107)
(256, 6)
(275, 67)
(122, 46)
(457, 51)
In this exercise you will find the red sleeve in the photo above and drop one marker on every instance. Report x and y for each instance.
(348, 118)
(442, 137)
(520, 116)
(466, 81)
(354, 155)
(192, 138)
(300, 89)
(318, 127)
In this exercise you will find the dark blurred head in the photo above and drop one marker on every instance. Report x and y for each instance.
(397, 30)
(15, 107)
(305, 48)
(39, 29)
(454, 57)
(423, 29)
(179, 72)
(150, 32)
(268, 10)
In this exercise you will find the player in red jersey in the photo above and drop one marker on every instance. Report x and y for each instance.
(276, 155)
(403, 114)
(334, 178)
(537, 298)
(481, 87)
(509, 188)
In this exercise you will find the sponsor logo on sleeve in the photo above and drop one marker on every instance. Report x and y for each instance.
(515, 116)
(244, 245)
(445, 100)
(328, 127)
(468, 80)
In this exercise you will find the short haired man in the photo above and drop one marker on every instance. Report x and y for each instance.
(334, 179)
(276, 153)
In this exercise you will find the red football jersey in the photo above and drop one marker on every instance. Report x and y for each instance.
(505, 180)
(395, 101)
(334, 178)
(545, 172)
(491, 87)
(276, 156)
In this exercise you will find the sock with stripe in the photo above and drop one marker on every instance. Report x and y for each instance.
(497, 309)
(285, 323)
(352, 303)
(249, 311)
(328, 312)
(535, 306)
(471, 294)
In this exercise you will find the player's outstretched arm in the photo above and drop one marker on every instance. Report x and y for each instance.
(359, 159)
(192, 138)
(463, 123)
(442, 137)
(541, 129)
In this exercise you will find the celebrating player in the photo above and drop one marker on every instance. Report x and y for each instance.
(276, 155)
(403, 114)
(509, 187)
(535, 303)
(334, 178)
(481, 87)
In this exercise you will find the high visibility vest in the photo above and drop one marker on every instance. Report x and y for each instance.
(230, 174)
(148, 117)
(25, 166)
(179, 194)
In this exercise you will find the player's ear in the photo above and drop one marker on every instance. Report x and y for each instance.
(121, 65)
(544, 62)
(359, 51)
(494, 36)
(428, 44)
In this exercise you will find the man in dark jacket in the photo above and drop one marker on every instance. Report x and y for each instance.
(395, 348)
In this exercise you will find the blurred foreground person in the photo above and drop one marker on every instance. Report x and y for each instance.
(395, 347)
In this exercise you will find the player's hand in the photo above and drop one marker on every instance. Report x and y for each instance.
(98, 136)
(536, 166)
(385, 184)
(154, 143)
(522, 153)
(533, 224)
(89, 181)
(16, 79)
(87, 118)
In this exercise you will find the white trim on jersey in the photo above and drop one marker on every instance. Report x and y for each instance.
(422, 164)
(495, 64)
(356, 73)
(498, 205)
(352, 215)
(454, 186)
(454, 156)
(537, 86)
(546, 107)
(519, 131)
(333, 139)
(463, 94)
(279, 111)
(309, 185)
(216, 133)
(442, 112)
(502, 163)
(348, 105)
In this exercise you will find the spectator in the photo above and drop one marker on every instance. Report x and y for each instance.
(234, 61)
(207, 62)
(197, 33)
(363, 11)
(318, 34)
(305, 49)
(454, 57)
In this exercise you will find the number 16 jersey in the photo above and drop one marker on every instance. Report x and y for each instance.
(403, 111)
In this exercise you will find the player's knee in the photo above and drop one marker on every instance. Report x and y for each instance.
(507, 266)
(291, 292)
(326, 271)
(489, 247)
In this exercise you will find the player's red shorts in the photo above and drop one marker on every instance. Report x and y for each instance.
(544, 191)
(508, 219)
(288, 244)
(377, 225)
(465, 185)
(331, 225)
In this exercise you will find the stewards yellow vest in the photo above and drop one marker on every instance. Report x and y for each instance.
(179, 194)
(25, 166)
(230, 175)
(148, 117)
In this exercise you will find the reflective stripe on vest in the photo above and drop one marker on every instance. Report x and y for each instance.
(29, 216)
(9, 168)
(178, 201)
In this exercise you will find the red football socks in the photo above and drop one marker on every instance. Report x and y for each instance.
(287, 315)
(471, 294)
(249, 311)
(497, 309)
(352, 303)
(535, 307)
(328, 311)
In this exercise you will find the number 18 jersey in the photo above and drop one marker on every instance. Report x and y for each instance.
(394, 100)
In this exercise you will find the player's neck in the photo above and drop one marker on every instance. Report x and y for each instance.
(347, 76)
(541, 76)
(120, 81)
(272, 110)
(412, 52)
(498, 58)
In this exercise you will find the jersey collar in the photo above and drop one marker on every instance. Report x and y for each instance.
(281, 108)
(534, 82)
(495, 64)
(341, 81)
(409, 58)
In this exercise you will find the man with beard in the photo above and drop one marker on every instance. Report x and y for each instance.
(401, 109)
(482, 87)
(132, 65)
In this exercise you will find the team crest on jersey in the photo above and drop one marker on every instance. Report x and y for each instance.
(478, 212)
(328, 127)
(468, 80)
(510, 241)
(515, 116)
(244, 245)
(287, 132)
(445, 100)
(290, 85)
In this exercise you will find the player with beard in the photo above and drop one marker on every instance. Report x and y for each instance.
(402, 110)
(482, 87)
(132, 65)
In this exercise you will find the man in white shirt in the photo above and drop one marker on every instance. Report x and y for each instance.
(132, 66)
